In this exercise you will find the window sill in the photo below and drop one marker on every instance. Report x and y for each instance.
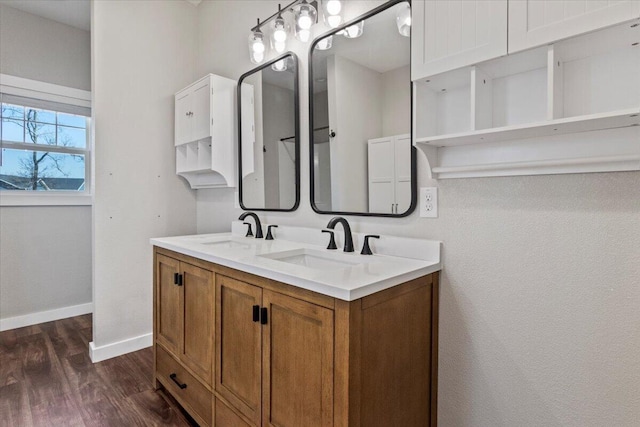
(46, 199)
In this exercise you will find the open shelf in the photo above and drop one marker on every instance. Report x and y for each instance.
(616, 119)
(544, 109)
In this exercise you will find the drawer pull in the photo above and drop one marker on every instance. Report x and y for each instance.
(175, 380)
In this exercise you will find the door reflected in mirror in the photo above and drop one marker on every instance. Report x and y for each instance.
(269, 136)
(360, 105)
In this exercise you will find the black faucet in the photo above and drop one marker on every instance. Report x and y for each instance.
(258, 225)
(348, 238)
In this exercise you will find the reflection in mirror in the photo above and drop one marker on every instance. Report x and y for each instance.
(360, 92)
(269, 136)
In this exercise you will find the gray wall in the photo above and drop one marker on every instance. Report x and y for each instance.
(143, 52)
(45, 252)
(541, 288)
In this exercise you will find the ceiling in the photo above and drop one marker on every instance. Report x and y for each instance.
(76, 13)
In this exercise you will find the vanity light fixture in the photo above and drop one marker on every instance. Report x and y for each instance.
(305, 14)
(331, 11)
(403, 20)
(257, 48)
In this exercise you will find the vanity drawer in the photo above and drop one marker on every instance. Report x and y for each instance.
(195, 397)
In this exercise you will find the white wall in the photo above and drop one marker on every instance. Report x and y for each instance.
(45, 252)
(41, 49)
(396, 101)
(540, 292)
(143, 52)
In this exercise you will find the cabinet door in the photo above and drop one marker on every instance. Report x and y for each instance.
(198, 320)
(381, 175)
(169, 303)
(537, 22)
(449, 34)
(183, 118)
(238, 346)
(201, 107)
(402, 160)
(297, 386)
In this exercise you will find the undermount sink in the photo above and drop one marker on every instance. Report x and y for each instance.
(314, 259)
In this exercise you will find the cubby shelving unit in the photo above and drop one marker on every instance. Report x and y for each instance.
(205, 133)
(571, 106)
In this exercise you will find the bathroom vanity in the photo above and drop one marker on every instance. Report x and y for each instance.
(250, 332)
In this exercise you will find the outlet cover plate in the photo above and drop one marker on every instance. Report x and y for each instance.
(428, 202)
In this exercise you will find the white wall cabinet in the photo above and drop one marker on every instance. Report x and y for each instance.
(389, 165)
(205, 133)
(533, 23)
(449, 34)
(571, 105)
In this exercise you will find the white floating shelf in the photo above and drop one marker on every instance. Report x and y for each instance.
(591, 122)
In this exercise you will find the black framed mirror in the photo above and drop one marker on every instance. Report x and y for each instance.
(269, 136)
(362, 161)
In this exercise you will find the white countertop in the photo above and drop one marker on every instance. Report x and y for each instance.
(347, 276)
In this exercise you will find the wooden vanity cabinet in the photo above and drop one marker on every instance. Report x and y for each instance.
(289, 357)
(183, 313)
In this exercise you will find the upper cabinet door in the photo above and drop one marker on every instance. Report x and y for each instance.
(537, 22)
(449, 34)
(183, 119)
(201, 110)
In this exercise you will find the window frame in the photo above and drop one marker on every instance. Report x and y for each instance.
(17, 86)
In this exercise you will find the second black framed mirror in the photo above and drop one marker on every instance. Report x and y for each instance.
(362, 161)
(269, 136)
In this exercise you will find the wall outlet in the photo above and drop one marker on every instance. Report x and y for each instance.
(428, 202)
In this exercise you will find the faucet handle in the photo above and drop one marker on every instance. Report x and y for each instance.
(332, 242)
(249, 229)
(366, 250)
(269, 235)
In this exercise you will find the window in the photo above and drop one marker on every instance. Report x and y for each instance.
(45, 146)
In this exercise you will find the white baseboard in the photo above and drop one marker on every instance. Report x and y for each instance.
(45, 316)
(104, 352)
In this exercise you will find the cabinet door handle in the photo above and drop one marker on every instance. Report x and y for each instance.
(175, 278)
(263, 316)
(256, 313)
(174, 378)
(180, 279)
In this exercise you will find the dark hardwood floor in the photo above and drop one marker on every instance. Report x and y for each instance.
(47, 379)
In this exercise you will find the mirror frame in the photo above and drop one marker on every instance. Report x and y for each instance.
(414, 170)
(296, 112)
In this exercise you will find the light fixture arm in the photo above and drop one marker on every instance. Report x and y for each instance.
(279, 13)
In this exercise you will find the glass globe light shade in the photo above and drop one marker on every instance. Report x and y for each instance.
(325, 43)
(257, 48)
(280, 65)
(306, 16)
(354, 31)
(331, 12)
(403, 20)
(279, 35)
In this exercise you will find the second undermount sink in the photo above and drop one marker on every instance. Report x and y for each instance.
(315, 259)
